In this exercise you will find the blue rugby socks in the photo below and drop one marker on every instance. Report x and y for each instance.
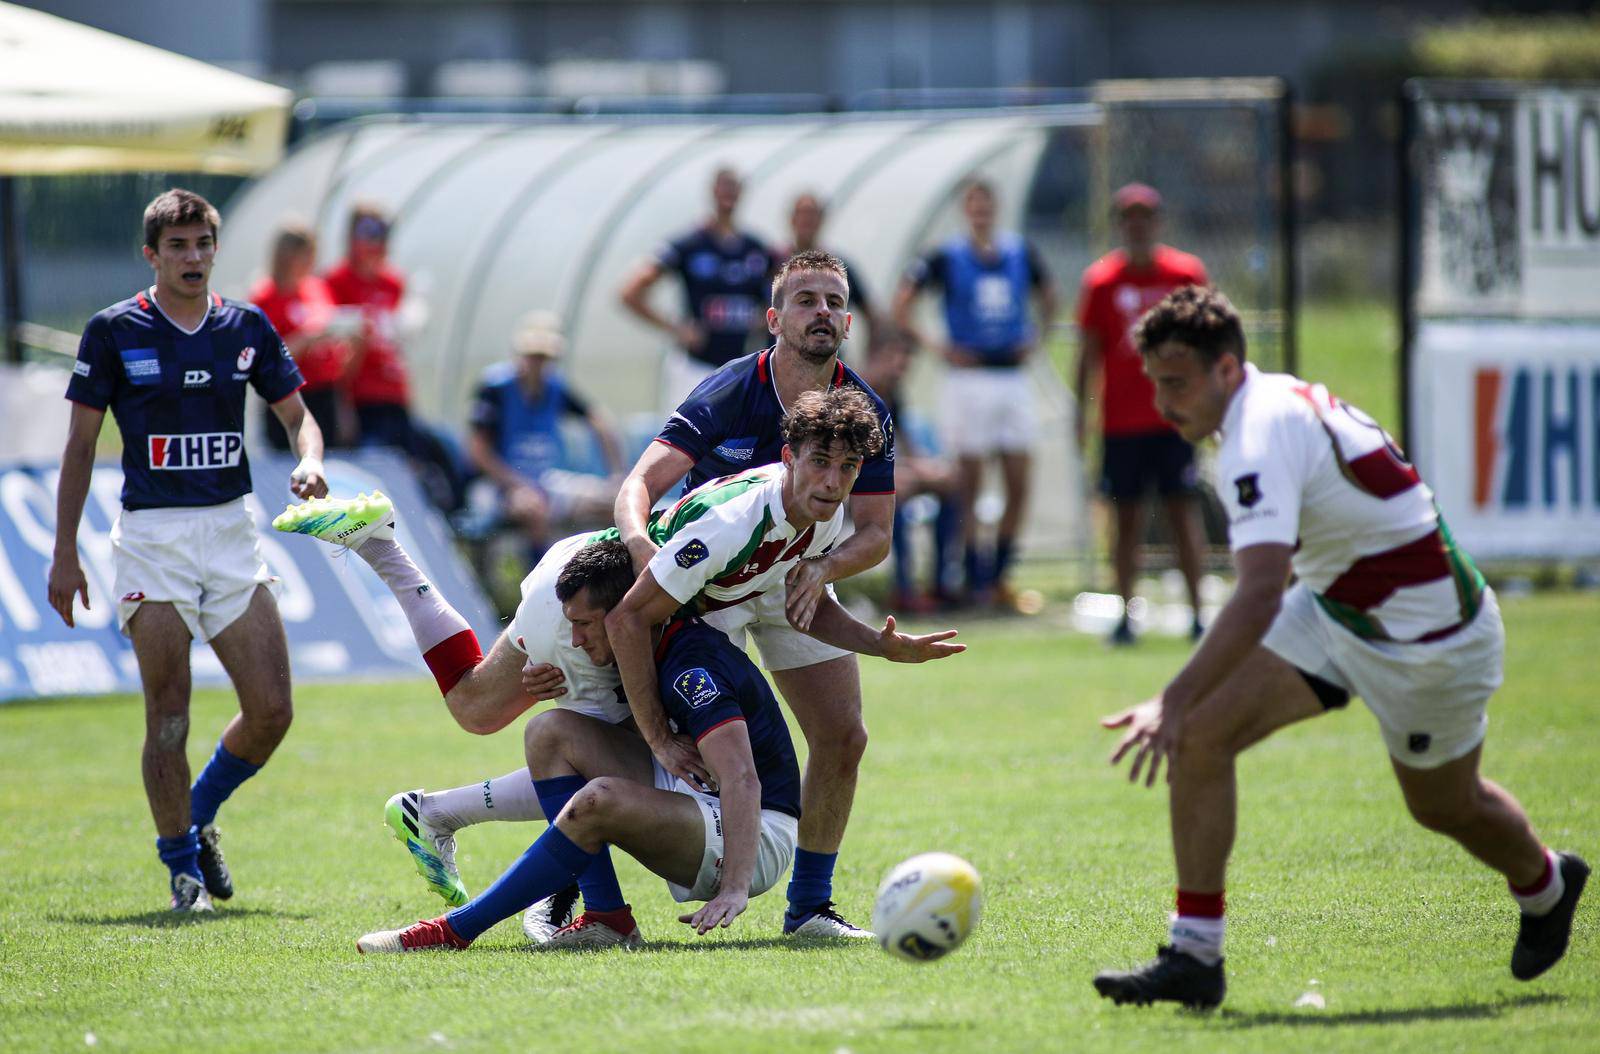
(598, 883)
(549, 865)
(810, 884)
(181, 854)
(220, 778)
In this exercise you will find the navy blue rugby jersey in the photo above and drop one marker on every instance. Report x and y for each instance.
(706, 682)
(726, 287)
(178, 397)
(730, 423)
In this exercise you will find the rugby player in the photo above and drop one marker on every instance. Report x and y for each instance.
(1386, 606)
(729, 423)
(172, 363)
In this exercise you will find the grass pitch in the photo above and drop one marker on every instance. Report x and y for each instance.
(994, 755)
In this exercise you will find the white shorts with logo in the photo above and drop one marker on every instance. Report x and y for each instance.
(1431, 700)
(988, 411)
(546, 636)
(206, 562)
(782, 646)
(775, 843)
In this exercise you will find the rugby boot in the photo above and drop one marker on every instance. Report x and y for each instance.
(593, 931)
(432, 849)
(1542, 939)
(549, 915)
(426, 935)
(189, 894)
(1172, 976)
(822, 921)
(214, 869)
(345, 522)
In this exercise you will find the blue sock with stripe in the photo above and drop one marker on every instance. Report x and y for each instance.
(182, 853)
(598, 883)
(549, 865)
(810, 883)
(220, 778)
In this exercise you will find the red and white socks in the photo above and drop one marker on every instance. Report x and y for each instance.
(1545, 892)
(1197, 926)
(448, 645)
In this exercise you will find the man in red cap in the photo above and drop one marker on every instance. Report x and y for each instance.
(1141, 452)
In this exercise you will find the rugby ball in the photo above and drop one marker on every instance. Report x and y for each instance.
(927, 906)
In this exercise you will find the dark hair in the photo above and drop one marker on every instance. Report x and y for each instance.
(604, 568)
(838, 415)
(1199, 318)
(809, 260)
(178, 208)
(368, 220)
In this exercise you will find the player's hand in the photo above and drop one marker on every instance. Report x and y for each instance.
(641, 549)
(689, 335)
(543, 681)
(807, 583)
(679, 756)
(903, 647)
(307, 480)
(66, 580)
(1154, 732)
(960, 358)
(720, 910)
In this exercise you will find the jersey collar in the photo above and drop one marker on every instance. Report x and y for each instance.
(765, 374)
(1230, 417)
(147, 301)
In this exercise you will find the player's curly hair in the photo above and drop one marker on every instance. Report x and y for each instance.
(838, 415)
(178, 208)
(604, 568)
(806, 260)
(1199, 318)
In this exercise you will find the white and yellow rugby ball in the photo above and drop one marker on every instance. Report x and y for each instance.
(928, 906)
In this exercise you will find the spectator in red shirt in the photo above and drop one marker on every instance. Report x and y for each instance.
(301, 309)
(380, 388)
(1141, 452)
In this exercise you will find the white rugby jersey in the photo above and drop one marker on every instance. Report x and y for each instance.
(1298, 466)
(728, 540)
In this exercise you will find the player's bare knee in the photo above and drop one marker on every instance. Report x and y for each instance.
(842, 747)
(270, 720)
(542, 739)
(590, 810)
(168, 731)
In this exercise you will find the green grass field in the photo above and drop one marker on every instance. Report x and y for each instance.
(994, 755)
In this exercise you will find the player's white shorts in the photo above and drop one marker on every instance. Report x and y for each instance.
(206, 562)
(1430, 699)
(782, 646)
(987, 411)
(775, 843)
(546, 636)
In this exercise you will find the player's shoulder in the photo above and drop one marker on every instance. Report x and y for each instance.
(729, 384)
(241, 314)
(498, 375)
(1106, 270)
(1179, 263)
(1271, 408)
(853, 379)
(135, 309)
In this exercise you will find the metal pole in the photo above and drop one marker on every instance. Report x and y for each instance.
(1290, 237)
(11, 280)
(1408, 259)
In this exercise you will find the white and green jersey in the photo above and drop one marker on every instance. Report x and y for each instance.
(728, 540)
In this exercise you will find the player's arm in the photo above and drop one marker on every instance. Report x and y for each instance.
(833, 625)
(1044, 293)
(308, 480)
(900, 310)
(481, 449)
(657, 470)
(628, 628)
(873, 516)
(1155, 727)
(77, 464)
(726, 749)
(635, 296)
(605, 433)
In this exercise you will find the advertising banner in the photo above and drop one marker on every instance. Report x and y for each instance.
(1506, 419)
(342, 623)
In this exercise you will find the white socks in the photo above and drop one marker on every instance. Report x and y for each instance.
(448, 645)
(1542, 899)
(1198, 936)
(508, 798)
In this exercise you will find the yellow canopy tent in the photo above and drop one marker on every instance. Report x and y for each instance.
(76, 99)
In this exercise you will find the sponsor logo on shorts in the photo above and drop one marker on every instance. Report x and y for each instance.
(1419, 742)
(246, 357)
(142, 366)
(691, 553)
(196, 378)
(80, 368)
(196, 450)
(132, 598)
(1249, 486)
(696, 687)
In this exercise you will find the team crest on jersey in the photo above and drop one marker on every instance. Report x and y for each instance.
(246, 357)
(1249, 489)
(691, 553)
(696, 687)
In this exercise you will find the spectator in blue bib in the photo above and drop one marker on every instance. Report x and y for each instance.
(518, 441)
(988, 278)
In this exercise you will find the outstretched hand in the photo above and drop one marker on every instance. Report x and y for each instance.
(904, 647)
(1156, 735)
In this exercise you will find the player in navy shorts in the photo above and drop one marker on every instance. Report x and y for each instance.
(721, 844)
(728, 424)
(172, 363)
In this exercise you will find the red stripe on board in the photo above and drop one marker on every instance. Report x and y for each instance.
(1373, 579)
(1381, 475)
(1486, 403)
